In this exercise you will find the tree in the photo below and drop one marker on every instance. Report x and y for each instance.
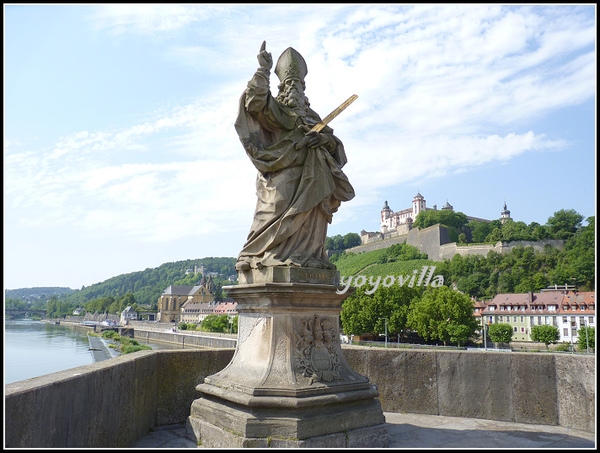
(126, 301)
(564, 223)
(365, 313)
(443, 314)
(545, 334)
(215, 323)
(579, 255)
(500, 333)
(586, 338)
(480, 230)
(444, 217)
(339, 242)
(351, 240)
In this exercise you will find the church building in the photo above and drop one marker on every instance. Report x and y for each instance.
(176, 297)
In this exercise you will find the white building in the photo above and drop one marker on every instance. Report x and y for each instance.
(566, 310)
(391, 221)
(129, 314)
(578, 309)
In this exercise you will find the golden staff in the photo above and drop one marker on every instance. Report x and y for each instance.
(321, 124)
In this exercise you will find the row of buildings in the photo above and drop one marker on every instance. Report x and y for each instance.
(564, 308)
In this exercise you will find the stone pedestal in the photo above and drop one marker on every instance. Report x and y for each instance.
(288, 384)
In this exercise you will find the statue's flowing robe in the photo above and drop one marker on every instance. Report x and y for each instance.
(297, 189)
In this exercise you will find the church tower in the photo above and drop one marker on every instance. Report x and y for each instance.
(385, 211)
(505, 214)
(386, 218)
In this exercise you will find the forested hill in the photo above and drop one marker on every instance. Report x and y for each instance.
(146, 286)
(35, 294)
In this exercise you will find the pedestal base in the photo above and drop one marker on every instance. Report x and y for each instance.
(288, 382)
(211, 436)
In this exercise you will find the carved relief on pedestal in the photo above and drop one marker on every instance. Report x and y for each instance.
(315, 355)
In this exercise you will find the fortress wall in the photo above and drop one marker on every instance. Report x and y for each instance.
(114, 402)
(376, 245)
(428, 240)
(537, 245)
(435, 241)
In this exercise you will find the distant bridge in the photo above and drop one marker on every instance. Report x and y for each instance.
(12, 312)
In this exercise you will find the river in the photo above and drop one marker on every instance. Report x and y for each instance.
(34, 348)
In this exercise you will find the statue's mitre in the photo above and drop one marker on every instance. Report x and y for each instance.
(291, 64)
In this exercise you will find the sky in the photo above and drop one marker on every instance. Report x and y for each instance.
(120, 152)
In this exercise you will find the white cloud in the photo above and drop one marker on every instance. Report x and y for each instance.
(148, 18)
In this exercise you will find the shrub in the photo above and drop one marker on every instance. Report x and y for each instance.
(111, 334)
(126, 349)
(563, 347)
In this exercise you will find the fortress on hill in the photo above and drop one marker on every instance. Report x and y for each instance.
(396, 227)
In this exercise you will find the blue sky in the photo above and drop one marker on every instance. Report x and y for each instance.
(120, 152)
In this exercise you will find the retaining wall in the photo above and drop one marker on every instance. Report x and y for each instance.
(114, 402)
(185, 339)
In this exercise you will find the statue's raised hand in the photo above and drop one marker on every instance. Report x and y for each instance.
(265, 60)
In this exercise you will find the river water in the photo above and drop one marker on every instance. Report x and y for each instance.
(34, 348)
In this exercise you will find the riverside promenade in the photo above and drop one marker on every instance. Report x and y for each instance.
(431, 431)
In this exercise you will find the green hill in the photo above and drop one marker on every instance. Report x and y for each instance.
(36, 294)
(394, 260)
(146, 286)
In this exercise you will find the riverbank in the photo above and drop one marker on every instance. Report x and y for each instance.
(100, 349)
(151, 332)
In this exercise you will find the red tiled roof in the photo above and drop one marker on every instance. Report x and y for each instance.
(538, 303)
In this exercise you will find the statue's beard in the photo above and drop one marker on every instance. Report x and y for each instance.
(294, 99)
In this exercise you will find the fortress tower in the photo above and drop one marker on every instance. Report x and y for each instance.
(418, 205)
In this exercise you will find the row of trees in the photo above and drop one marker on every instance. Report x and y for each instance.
(339, 242)
(563, 224)
(439, 314)
(503, 333)
(213, 323)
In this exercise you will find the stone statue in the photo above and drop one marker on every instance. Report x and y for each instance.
(300, 183)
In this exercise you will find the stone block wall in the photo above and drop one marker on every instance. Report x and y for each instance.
(110, 403)
(534, 388)
(435, 241)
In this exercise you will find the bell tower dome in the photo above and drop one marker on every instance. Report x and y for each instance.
(505, 214)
